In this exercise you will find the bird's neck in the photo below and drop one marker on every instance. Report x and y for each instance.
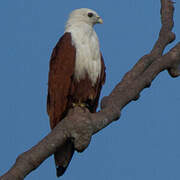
(73, 25)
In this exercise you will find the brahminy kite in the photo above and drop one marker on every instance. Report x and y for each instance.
(76, 76)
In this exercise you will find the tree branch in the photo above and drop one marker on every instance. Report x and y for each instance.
(80, 124)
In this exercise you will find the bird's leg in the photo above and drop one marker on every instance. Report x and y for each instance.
(79, 104)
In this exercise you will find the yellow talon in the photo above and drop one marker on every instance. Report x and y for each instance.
(79, 104)
(74, 104)
(91, 97)
(82, 105)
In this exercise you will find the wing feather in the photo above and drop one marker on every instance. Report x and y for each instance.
(62, 65)
(100, 83)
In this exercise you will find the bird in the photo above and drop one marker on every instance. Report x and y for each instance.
(76, 75)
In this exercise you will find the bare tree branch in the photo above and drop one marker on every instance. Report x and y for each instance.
(80, 124)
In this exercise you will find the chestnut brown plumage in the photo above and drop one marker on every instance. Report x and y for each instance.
(76, 75)
(64, 90)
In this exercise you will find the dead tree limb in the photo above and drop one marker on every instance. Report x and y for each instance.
(80, 124)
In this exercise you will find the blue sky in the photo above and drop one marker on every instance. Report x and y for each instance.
(143, 144)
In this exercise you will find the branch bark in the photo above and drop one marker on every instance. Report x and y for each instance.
(80, 124)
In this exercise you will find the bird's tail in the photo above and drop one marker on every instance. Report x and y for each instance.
(62, 157)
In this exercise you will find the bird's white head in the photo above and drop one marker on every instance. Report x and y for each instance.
(84, 15)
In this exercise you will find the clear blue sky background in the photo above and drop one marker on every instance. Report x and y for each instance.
(143, 144)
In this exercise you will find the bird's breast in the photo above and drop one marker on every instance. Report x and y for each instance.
(88, 58)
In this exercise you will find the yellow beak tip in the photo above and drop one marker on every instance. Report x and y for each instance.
(100, 21)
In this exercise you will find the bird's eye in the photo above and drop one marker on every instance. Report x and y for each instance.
(90, 14)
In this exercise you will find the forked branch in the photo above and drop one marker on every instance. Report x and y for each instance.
(80, 124)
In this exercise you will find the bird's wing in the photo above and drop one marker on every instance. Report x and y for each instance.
(103, 71)
(100, 82)
(62, 65)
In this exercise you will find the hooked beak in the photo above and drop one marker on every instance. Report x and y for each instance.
(99, 20)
